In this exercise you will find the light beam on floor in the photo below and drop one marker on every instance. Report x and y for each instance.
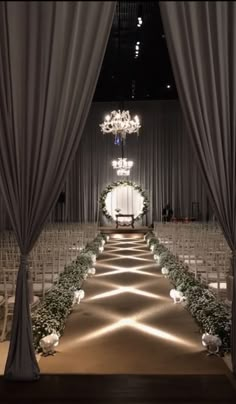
(160, 334)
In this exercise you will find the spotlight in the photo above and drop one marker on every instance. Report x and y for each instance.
(177, 296)
(212, 343)
(78, 295)
(91, 271)
(49, 343)
(165, 271)
(94, 258)
(157, 258)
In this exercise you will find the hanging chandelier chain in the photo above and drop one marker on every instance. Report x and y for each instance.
(119, 123)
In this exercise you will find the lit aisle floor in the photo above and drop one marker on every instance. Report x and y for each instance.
(128, 324)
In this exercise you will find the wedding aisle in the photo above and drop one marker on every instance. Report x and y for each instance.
(128, 324)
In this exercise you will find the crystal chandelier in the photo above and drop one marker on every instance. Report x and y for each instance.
(122, 166)
(119, 123)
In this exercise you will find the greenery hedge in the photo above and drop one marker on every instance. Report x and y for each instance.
(211, 315)
(51, 314)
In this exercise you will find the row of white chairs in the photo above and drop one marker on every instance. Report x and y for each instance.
(203, 248)
(56, 247)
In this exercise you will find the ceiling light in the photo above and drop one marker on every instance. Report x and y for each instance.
(168, 86)
(122, 166)
(119, 123)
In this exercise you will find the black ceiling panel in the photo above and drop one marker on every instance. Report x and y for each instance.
(124, 77)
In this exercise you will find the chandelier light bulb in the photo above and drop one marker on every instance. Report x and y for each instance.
(123, 172)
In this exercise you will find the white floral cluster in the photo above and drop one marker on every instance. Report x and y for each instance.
(50, 316)
(212, 316)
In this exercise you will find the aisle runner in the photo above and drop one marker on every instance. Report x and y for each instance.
(128, 324)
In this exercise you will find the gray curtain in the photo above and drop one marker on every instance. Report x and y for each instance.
(51, 54)
(5, 223)
(201, 37)
(164, 164)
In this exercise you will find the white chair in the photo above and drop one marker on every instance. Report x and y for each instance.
(8, 284)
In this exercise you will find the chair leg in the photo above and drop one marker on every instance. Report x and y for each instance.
(4, 329)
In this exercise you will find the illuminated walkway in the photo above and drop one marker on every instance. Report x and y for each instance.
(128, 324)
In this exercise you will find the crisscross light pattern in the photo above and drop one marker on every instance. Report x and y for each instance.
(159, 304)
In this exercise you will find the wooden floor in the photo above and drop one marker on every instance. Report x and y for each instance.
(120, 389)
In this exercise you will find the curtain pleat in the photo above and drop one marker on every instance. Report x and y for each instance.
(201, 38)
(51, 54)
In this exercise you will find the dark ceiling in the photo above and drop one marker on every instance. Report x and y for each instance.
(148, 76)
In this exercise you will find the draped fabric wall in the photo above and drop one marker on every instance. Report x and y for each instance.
(201, 38)
(5, 223)
(164, 164)
(51, 54)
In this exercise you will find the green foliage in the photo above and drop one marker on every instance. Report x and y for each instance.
(149, 235)
(211, 315)
(50, 316)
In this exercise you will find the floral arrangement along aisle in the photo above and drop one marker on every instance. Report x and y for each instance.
(51, 314)
(212, 316)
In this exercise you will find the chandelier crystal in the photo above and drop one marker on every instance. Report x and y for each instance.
(122, 166)
(119, 123)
